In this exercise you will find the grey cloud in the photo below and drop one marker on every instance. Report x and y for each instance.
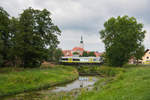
(84, 17)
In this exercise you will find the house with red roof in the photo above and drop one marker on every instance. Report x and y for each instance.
(67, 53)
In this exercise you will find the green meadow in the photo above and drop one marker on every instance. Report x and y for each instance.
(128, 83)
(133, 84)
(17, 80)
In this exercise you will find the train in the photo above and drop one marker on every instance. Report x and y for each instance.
(81, 60)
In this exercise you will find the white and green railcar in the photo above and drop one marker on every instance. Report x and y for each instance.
(81, 60)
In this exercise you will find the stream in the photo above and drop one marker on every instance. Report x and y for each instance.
(69, 91)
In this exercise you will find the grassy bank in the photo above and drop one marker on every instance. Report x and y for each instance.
(134, 84)
(100, 70)
(18, 80)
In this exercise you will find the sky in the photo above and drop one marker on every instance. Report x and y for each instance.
(85, 18)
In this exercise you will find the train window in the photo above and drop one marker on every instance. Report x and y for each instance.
(64, 59)
(84, 59)
(76, 59)
(94, 59)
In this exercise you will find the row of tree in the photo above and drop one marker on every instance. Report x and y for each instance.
(123, 37)
(28, 39)
(85, 54)
(88, 54)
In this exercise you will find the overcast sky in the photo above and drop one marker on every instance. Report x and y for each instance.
(84, 17)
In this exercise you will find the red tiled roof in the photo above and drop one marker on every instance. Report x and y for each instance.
(77, 49)
(146, 50)
(67, 52)
(87, 51)
(97, 54)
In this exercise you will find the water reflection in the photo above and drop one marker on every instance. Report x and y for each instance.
(81, 82)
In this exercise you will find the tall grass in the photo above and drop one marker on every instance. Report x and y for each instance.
(134, 84)
(21, 80)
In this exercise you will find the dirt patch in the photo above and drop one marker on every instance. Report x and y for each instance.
(48, 64)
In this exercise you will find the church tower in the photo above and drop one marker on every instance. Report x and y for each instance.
(81, 43)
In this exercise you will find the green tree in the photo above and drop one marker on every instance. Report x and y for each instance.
(36, 33)
(58, 54)
(91, 54)
(139, 53)
(121, 36)
(51, 53)
(54, 54)
(4, 37)
(14, 29)
(104, 57)
(75, 53)
(84, 54)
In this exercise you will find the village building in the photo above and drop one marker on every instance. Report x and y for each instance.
(132, 60)
(78, 51)
(146, 57)
(144, 60)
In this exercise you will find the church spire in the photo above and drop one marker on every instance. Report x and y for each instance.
(81, 42)
(81, 39)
